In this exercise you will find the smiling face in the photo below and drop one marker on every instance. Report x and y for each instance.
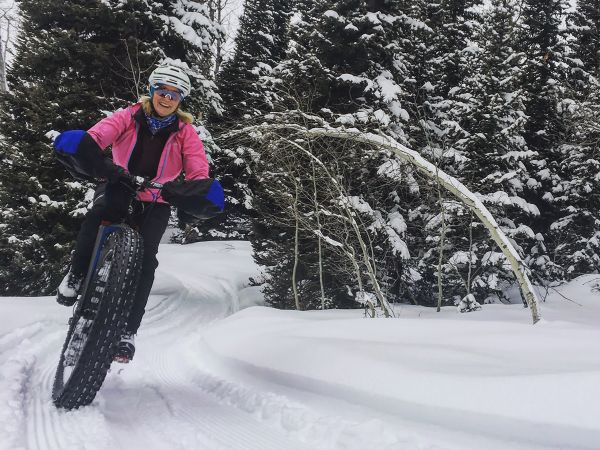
(165, 106)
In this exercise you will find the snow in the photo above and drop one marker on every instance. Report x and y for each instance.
(348, 77)
(331, 14)
(389, 89)
(502, 198)
(462, 258)
(428, 87)
(216, 369)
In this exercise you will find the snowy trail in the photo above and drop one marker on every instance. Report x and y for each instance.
(162, 389)
(153, 404)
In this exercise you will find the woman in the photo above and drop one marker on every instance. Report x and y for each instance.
(154, 139)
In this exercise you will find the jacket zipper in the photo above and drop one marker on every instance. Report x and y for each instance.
(167, 150)
(137, 133)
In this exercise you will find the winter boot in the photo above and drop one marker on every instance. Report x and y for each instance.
(126, 348)
(69, 289)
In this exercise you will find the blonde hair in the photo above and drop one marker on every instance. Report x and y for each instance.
(146, 102)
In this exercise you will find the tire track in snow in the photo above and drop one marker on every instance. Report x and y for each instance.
(49, 428)
(200, 419)
(185, 306)
(300, 421)
(229, 427)
(19, 352)
(191, 411)
(29, 358)
(166, 307)
(43, 430)
(136, 416)
(307, 424)
(133, 401)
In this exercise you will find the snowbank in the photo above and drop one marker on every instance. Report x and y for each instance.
(490, 373)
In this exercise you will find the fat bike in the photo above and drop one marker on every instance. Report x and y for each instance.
(101, 312)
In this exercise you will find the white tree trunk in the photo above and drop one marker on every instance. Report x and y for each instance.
(320, 249)
(441, 259)
(3, 86)
(296, 253)
(5, 38)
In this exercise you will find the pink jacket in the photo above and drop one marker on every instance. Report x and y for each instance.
(182, 152)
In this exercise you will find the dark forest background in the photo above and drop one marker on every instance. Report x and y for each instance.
(504, 96)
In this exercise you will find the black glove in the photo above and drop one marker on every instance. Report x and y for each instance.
(113, 173)
(201, 199)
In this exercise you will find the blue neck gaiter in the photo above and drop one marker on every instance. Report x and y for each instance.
(156, 124)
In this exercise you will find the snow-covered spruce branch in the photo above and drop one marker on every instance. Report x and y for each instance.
(428, 169)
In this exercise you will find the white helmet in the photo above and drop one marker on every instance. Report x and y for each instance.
(171, 76)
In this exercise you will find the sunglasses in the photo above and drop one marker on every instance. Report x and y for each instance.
(167, 94)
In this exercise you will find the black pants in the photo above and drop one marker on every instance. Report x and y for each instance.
(111, 203)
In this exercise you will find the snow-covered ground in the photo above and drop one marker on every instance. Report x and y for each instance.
(215, 371)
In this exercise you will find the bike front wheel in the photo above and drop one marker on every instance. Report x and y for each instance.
(98, 323)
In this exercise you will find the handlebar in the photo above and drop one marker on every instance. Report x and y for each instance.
(145, 183)
(139, 183)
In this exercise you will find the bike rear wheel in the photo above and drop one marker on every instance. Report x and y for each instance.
(99, 321)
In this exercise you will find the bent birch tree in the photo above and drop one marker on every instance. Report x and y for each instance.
(448, 182)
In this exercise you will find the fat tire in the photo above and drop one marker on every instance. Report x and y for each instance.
(108, 323)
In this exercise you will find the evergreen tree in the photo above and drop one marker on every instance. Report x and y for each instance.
(542, 40)
(576, 231)
(584, 27)
(489, 102)
(74, 60)
(344, 66)
(439, 227)
(259, 45)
